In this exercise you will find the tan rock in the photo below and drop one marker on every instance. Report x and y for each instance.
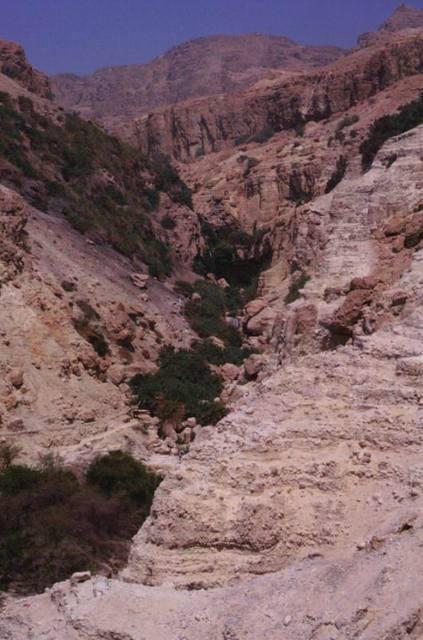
(254, 365)
(229, 372)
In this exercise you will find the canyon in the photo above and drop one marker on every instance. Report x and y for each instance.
(299, 514)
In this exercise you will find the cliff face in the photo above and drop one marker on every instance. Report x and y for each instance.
(192, 129)
(206, 66)
(14, 64)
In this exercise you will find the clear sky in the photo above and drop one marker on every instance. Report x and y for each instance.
(83, 35)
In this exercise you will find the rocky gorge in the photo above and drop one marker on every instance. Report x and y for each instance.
(299, 513)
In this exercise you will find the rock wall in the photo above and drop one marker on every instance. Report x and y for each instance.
(189, 130)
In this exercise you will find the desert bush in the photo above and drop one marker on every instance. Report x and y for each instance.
(52, 524)
(223, 255)
(120, 474)
(184, 288)
(347, 121)
(297, 284)
(217, 356)
(183, 387)
(168, 180)
(8, 454)
(67, 158)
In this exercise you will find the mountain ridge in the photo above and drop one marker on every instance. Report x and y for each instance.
(199, 67)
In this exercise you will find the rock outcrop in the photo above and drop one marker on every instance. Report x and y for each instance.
(189, 130)
(14, 64)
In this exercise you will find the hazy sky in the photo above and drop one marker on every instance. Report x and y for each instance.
(83, 35)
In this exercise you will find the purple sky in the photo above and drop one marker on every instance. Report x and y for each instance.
(83, 35)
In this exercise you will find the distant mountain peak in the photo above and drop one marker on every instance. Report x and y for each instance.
(404, 17)
(200, 67)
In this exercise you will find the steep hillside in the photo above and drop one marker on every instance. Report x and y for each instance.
(105, 188)
(206, 66)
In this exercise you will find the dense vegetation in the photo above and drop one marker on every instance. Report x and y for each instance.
(233, 254)
(103, 186)
(208, 310)
(53, 524)
(183, 387)
(408, 117)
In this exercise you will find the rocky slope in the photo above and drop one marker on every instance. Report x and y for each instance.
(78, 318)
(206, 66)
(299, 514)
(313, 482)
(14, 64)
(62, 300)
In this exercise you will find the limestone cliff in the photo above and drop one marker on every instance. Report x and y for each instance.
(190, 130)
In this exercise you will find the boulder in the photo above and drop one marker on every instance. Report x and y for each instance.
(16, 377)
(262, 323)
(367, 282)
(229, 372)
(116, 374)
(140, 280)
(414, 231)
(253, 365)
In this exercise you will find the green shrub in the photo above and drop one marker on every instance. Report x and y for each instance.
(217, 356)
(120, 474)
(184, 288)
(183, 387)
(223, 255)
(347, 121)
(295, 288)
(168, 180)
(408, 117)
(17, 478)
(52, 524)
